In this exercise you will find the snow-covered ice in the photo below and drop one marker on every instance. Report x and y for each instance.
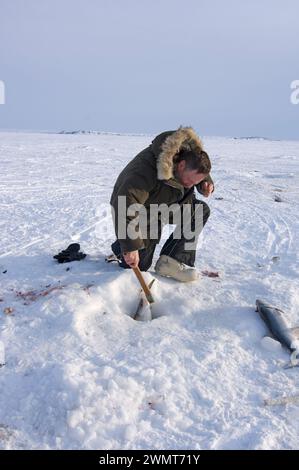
(80, 373)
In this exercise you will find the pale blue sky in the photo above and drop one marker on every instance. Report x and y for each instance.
(223, 67)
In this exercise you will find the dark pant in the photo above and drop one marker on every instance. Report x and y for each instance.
(173, 247)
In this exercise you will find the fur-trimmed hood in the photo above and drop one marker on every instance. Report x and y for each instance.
(166, 145)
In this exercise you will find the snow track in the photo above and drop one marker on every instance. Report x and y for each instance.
(80, 373)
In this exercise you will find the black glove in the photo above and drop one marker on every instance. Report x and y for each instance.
(72, 253)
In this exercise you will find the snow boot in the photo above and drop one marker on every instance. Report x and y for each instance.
(170, 267)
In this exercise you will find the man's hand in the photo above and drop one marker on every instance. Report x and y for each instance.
(207, 189)
(132, 258)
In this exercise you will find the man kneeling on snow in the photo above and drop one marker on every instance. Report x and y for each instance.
(161, 176)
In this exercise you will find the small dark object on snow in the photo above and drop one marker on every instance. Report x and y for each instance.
(210, 273)
(4, 272)
(8, 310)
(72, 253)
(278, 199)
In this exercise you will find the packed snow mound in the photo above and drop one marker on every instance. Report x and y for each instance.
(79, 372)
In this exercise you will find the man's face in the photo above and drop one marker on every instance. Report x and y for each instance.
(188, 178)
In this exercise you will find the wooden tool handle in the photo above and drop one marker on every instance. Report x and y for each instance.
(145, 288)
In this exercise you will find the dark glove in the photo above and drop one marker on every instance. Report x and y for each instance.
(72, 253)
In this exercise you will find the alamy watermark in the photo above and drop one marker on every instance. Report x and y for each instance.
(2, 92)
(156, 222)
(294, 98)
(135, 221)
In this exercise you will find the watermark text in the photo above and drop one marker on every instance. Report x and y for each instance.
(294, 98)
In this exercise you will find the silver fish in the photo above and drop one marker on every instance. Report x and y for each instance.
(143, 312)
(289, 337)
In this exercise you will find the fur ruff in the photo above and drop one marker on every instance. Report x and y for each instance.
(183, 138)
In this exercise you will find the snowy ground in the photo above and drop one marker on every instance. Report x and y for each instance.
(80, 373)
